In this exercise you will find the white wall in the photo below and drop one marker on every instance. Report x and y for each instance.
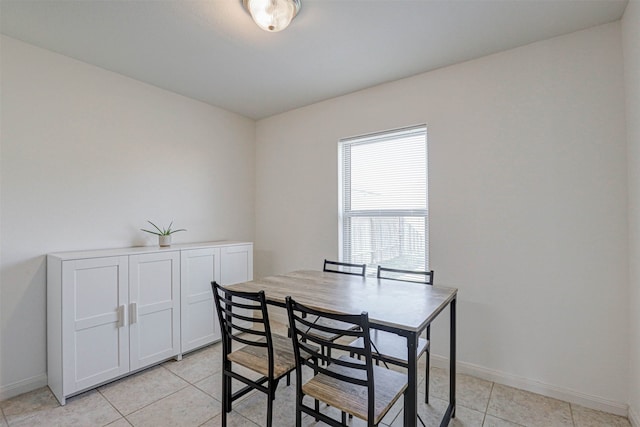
(631, 52)
(527, 202)
(87, 156)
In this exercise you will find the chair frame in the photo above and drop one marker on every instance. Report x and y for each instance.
(428, 280)
(325, 268)
(328, 264)
(227, 317)
(301, 339)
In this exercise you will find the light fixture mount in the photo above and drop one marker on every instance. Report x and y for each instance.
(272, 15)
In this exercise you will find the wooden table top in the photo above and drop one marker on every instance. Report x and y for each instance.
(403, 305)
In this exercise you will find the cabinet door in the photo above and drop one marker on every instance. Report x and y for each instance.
(154, 307)
(198, 268)
(94, 301)
(236, 266)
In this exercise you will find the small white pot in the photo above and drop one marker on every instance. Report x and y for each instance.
(164, 240)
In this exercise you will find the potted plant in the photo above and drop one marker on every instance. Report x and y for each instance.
(164, 234)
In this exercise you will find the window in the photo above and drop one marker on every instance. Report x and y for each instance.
(383, 200)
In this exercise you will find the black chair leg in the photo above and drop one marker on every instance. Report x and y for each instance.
(298, 414)
(426, 376)
(226, 398)
(288, 378)
(270, 398)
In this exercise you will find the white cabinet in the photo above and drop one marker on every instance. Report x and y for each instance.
(96, 340)
(199, 267)
(226, 264)
(237, 267)
(107, 316)
(112, 312)
(154, 308)
(237, 264)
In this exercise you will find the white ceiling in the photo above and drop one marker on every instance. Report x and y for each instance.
(212, 51)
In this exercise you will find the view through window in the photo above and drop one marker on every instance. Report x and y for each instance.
(384, 194)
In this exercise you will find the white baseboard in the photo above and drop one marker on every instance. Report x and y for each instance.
(634, 418)
(24, 386)
(571, 396)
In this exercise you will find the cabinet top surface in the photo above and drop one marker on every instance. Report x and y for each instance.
(134, 250)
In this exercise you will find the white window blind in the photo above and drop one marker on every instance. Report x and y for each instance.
(384, 195)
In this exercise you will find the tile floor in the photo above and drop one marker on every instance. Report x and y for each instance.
(187, 393)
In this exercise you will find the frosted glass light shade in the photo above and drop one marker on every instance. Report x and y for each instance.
(272, 15)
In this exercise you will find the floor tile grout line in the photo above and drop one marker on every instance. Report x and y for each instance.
(110, 404)
(156, 401)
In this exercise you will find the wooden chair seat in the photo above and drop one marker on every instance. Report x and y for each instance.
(391, 347)
(351, 398)
(256, 358)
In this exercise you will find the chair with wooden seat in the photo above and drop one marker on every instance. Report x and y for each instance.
(244, 319)
(340, 268)
(391, 348)
(355, 387)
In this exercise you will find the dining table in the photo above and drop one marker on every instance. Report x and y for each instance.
(404, 308)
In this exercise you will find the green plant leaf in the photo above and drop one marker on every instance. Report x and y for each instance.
(160, 231)
(151, 232)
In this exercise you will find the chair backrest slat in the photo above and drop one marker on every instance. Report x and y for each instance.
(249, 331)
(344, 268)
(236, 315)
(417, 276)
(317, 327)
(237, 304)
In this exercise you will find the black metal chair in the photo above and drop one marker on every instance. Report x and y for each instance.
(392, 348)
(244, 318)
(341, 268)
(356, 387)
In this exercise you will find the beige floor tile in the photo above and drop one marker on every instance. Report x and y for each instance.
(3, 421)
(491, 421)
(585, 417)
(530, 409)
(122, 422)
(309, 421)
(88, 409)
(212, 385)
(197, 365)
(137, 391)
(28, 405)
(432, 414)
(233, 420)
(254, 407)
(471, 392)
(185, 408)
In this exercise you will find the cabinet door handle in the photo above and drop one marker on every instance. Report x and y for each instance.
(120, 316)
(133, 313)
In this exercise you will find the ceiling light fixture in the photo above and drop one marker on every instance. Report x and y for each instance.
(272, 15)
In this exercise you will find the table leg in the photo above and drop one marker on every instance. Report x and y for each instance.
(411, 394)
(451, 409)
(452, 359)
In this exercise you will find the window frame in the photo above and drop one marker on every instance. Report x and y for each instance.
(344, 191)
